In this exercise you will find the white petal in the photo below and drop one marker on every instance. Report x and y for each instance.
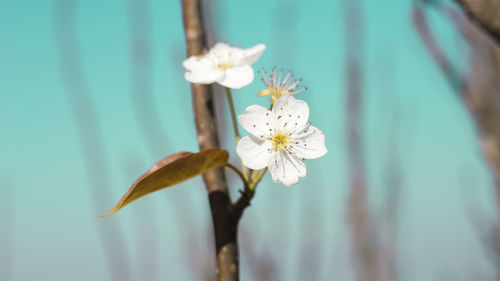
(275, 167)
(297, 164)
(254, 153)
(251, 55)
(282, 169)
(195, 63)
(290, 114)
(238, 77)
(311, 143)
(222, 48)
(206, 77)
(256, 121)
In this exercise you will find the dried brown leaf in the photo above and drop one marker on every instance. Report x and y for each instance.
(172, 170)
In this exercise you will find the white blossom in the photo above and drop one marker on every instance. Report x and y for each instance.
(279, 85)
(224, 64)
(280, 139)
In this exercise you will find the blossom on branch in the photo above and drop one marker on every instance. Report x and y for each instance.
(278, 85)
(281, 139)
(224, 64)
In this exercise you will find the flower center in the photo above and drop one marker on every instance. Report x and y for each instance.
(224, 66)
(280, 141)
(277, 93)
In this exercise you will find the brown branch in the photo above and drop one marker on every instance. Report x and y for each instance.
(482, 98)
(225, 215)
(242, 203)
(485, 14)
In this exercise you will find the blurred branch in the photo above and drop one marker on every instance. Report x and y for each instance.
(91, 140)
(364, 242)
(485, 13)
(200, 267)
(482, 98)
(311, 245)
(481, 95)
(149, 123)
(142, 93)
(262, 266)
(440, 57)
(394, 187)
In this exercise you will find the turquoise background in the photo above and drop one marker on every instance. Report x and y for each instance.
(48, 217)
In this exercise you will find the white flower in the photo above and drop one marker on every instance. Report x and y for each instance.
(224, 64)
(278, 85)
(281, 138)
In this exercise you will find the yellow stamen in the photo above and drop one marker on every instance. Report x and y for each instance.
(280, 141)
(224, 66)
(275, 93)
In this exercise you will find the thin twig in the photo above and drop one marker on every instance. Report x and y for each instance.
(235, 127)
(255, 181)
(238, 172)
(233, 114)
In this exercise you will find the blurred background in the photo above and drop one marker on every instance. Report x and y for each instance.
(93, 93)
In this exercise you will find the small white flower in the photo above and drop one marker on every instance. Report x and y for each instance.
(281, 138)
(278, 85)
(224, 64)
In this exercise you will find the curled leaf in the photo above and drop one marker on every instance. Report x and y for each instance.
(172, 170)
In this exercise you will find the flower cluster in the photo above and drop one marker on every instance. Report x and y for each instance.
(281, 137)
